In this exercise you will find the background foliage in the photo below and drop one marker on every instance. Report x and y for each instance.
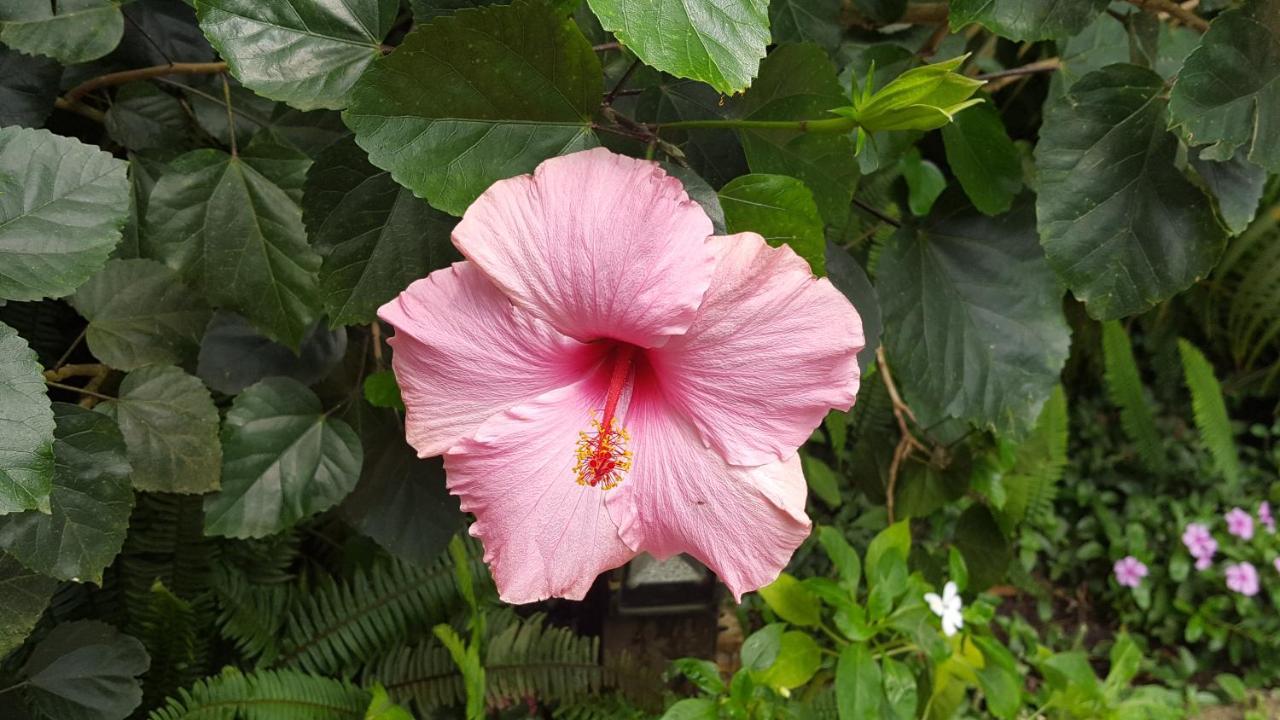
(1057, 218)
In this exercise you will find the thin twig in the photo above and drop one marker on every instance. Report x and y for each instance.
(82, 391)
(77, 370)
(608, 99)
(74, 344)
(120, 78)
(1174, 10)
(231, 119)
(879, 215)
(999, 79)
(80, 108)
(907, 442)
(90, 388)
(375, 329)
(605, 47)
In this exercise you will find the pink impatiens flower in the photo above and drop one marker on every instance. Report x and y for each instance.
(1200, 544)
(604, 377)
(1242, 578)
(1240, 523)
(1129, 571)
(1266, 518)
(1276, 562)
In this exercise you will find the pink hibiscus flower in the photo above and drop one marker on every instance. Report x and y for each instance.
(604, 377)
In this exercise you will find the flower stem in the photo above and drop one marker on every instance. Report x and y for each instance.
(824, 125)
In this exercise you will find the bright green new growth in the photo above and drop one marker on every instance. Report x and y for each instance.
(923, 98)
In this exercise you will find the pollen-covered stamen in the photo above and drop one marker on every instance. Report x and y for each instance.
(603, 457)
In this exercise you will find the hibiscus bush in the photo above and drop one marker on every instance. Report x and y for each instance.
(351, 349)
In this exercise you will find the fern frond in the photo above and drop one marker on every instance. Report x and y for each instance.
(263, 561)
(1124, 388)
(341, 624)
(523, 659)
(601, 707)
(1210, 411)
(1031, 483)
(175, 635)
(250, 615)
(266, 695)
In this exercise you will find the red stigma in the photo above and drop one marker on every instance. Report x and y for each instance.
(602, 452)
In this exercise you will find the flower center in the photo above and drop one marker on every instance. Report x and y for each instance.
(603, 457)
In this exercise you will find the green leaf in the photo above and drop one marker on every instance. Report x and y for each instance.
(238, 238)
(894, 539)
(852, 282)
(140, 313)
(792, 601)
(843, 557)
(170, 427)
(701, 192)
(1236, 184)
(62, 204)
(309, 132)
(719, 43)
(881, 12)
(376, 237)
(925, 182)
(859, 693)
(983, 158)
(1124, 229)
(283, 459)
(800, 21)
(381, 707)
(23, 597)
(26, 428)
(798, 659)
(985, 549)
(28, 88)
(1210, 411)
(702, 673)
(381, 390)
(798, 82)
(974, 315)
(233, 356)
(401, 501)
(69, 31)
(1125, 390)
(822, 480)
(781, 209)
(692, 709)
(900, 691)
(308, 55)
(1027, 19)
(89, 505)
(476, 97)
(143, 117)
(1126, 660)
(761, 648)
(1228, 91)
(86, 670)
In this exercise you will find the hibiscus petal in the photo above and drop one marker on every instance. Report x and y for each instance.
(544, 535)
(743, 523)
(463, 352)
(598, 244)
(771, 351)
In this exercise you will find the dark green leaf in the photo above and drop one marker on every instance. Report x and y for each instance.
(425, 10)
(859, 693)
(798, 82)
(157, 32)
(69, 31)
(26, 428)
(881, 12)
(308, 55)
(283, 459)
(983, 158)
(23, 597)
(278, 161)
(851, 280)
(924, 182)
(1124, 229)
(1228, 91)
(170, 427)
(1027, 19)
(1236, 184)
(233, 356)
(28, 87)
(90, 502)
(62, 204)
(986, 551)
(381, 390)
(715, 154)
(238, 237)
(781, 209)
(760, 650)
(815, 21)
(140, 313)
(843, 557)
(86, 670)
(719, 43)
(475, 97)
(143, 117)
(309, 132)
(376, 237)
(701, 192)
(823, 481)
(401, 501)
(976, 316)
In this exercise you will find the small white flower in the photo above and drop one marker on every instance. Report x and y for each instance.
(948, 607)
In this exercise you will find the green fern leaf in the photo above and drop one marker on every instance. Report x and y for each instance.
(250, 615)
(175, 634)
(1124, 387)
(266, 695)
(1031, 483)
(1210, 411)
